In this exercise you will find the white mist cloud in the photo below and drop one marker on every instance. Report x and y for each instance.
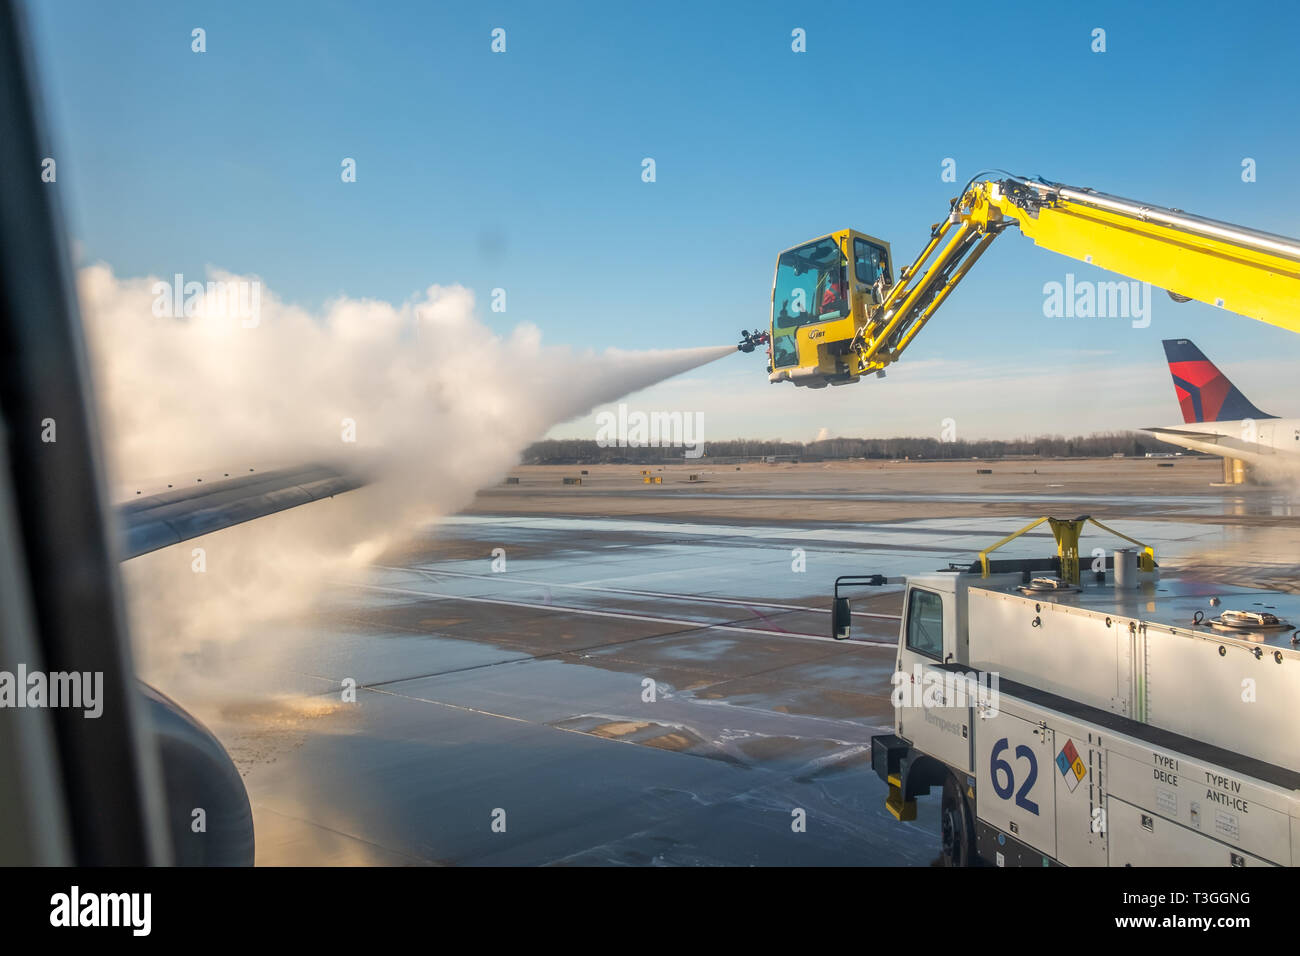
(448, 404)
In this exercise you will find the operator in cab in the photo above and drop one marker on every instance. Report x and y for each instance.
(833, 296)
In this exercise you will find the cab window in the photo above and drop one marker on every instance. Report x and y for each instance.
(925, 623)
(869, 261)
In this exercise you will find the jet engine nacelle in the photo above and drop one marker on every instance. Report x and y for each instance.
(198, 775)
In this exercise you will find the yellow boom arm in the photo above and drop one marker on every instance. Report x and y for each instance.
(1252, 273)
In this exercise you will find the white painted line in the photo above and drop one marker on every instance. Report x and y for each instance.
(698, 598)
(621, 615)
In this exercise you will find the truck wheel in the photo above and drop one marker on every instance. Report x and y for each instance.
(956, 827)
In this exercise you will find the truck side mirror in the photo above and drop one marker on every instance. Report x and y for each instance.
(841, 616)
(841, 619)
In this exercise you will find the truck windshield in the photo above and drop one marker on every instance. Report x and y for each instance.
(809, 288)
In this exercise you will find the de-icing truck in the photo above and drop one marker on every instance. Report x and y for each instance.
(1095, 717)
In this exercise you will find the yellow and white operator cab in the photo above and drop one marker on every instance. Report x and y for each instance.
(821, 295)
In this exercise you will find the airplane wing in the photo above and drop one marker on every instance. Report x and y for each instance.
(1197, 436)
(160, 520)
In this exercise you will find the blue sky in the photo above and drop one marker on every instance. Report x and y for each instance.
(522, 170)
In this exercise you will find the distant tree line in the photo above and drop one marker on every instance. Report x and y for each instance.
(1101, 445)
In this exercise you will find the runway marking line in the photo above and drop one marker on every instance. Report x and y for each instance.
(623, 615)
(698, 598)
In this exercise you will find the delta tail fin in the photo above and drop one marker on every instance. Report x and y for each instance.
(1204, 393)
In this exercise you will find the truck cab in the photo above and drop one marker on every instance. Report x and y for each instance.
(934, 688)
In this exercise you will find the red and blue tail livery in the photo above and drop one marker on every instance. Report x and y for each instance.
(1204, 393)
(1219, 420)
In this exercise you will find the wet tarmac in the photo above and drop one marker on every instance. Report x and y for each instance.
(629, 689)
